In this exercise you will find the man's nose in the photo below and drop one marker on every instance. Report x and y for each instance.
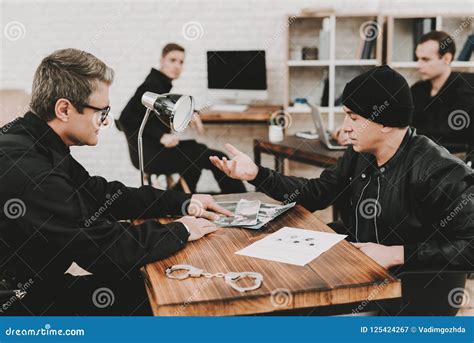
(346, 124)
(106, 122)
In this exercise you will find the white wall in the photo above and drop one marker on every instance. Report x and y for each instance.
(129, 35)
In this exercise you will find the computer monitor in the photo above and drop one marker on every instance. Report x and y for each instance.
(240, 76)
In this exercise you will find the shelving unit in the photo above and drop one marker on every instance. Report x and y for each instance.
(306, 78)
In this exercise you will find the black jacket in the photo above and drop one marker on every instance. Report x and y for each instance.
(422, 198)
(133, 113)
(431, 116)
(53, 212)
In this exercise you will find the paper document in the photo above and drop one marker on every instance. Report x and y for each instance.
(292, 245)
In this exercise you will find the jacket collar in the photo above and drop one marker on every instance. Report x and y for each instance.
(371, 162)
(157, 77)
(44, 135)
(400, 151)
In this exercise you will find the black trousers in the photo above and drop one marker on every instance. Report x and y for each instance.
(84, 296)
(188, 159)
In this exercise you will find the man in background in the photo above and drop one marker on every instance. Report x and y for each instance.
(443, 99)
(164, 153)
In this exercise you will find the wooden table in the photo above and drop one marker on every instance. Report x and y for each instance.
(341, 275)
(309, 151)
(254, 114)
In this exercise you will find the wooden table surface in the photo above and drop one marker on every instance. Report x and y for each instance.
(253, 113)
(341, 275)
(310, 151)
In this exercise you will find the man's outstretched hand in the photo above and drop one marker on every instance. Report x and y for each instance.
(240, 166)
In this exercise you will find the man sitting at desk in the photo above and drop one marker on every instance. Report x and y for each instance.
(55, 213)
(405, 201)
(163, 151)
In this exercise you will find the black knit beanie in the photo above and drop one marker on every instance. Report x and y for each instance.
(381, 95)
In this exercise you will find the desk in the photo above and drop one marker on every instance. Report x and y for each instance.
(309, 151)
(254, 114)
(342, 275)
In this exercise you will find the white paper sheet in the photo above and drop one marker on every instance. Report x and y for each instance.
(292, 245)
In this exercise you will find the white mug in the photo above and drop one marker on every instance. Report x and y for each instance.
(275, 133)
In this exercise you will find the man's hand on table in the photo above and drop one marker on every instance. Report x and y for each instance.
(204, 206)
(197, 227)
(386, 256)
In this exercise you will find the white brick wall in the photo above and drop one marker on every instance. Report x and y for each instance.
(128, 35)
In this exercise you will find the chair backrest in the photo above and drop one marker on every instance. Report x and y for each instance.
(13, 103)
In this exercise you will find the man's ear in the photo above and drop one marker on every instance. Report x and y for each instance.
(386, 129)
(61, 109)
(448, 57)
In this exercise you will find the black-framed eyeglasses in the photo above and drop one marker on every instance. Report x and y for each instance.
(104, 112)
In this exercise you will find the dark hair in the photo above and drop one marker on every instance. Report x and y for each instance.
(445, 41)
(171, 47)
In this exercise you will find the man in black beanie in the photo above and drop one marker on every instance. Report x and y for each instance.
(405, 201)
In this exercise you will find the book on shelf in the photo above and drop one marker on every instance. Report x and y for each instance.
(466, 52)
(420, 27)
(366, 46)
(325, 95)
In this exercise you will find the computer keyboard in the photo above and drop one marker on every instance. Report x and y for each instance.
(228, 108)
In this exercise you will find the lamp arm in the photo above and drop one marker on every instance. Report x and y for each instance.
(140, 144)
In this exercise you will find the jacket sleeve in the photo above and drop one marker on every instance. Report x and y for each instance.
(122, 202)
(55, 209)
(470, 134)
(313, 194)
(448, 191)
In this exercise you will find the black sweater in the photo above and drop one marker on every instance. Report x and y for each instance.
(448, 117)
(60, 214)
